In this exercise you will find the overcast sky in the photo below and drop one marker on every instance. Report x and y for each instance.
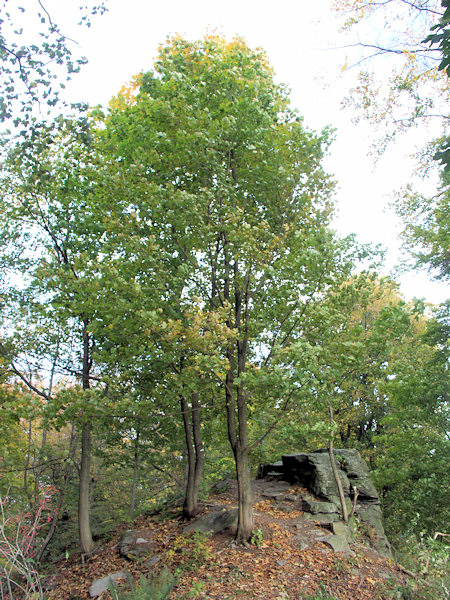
(302, 40)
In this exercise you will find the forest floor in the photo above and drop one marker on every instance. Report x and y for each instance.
(288, 561)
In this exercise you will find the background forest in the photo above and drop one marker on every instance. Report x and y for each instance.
(177, 309)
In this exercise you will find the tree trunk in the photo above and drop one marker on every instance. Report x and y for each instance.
(335, 470)
(245, 517)
(238, 436)
(84, 509)
(135, 476)
(236, 402)
(57, 511)
(198, 445)
(195, 454)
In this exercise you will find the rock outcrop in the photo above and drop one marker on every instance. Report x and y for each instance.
(214, 522)
(313, 471)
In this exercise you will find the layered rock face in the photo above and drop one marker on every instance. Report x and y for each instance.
(313, 471)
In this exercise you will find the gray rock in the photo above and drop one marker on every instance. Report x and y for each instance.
(273, 469)
(313, 471)
(321, 518)
(136, 545)
(319, 507)
(214, 522)
(286, 508)
(320, 533)
(337, 543)
(357, 472)
(290, 498)
(152, 561)
(279, 486)
(273, 495)
(370, 514)
(101, 585)
(341, 529)
(302, 546)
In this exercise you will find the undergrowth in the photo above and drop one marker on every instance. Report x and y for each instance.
(156, 588)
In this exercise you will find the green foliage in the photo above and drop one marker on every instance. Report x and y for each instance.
(36, 59)
(158, 587)
(257, 537)
(195, 550)
(441, 38)
(322, 594)
(428, 558)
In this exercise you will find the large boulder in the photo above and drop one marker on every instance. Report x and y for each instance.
(357, 472)
(313, 471)
(214, 522)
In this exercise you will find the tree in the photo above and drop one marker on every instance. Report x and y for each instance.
(412, 441)
(36, 59)
(415, 95)
(416, 91)
(48, 238)
(382, 367)
(244, 204)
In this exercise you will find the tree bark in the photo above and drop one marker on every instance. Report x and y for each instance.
(135, 475)
(195, 454)
(238, 436)
(84, 509)
(335, 469)
(236, 402)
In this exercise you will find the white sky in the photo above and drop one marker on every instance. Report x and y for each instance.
(297, 36)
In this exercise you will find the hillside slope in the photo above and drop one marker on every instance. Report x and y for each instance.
(291, 557)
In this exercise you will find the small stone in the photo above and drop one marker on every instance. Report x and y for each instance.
(290, 498)
(101, 585)
(285, 509)
(281, 562)
(136, 545)
(152, 561)
(273, 495)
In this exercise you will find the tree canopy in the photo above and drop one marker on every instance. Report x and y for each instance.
(184, 308)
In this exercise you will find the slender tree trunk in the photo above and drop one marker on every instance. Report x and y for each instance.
(238, 436)
(335, 469)
(135, 475)
(245, 496)
(31, 500)
(84, 524)
(236, 402)
(198, 445)
(195, 454)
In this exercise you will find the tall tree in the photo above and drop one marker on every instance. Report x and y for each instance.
(240, 199)
(47, 239)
